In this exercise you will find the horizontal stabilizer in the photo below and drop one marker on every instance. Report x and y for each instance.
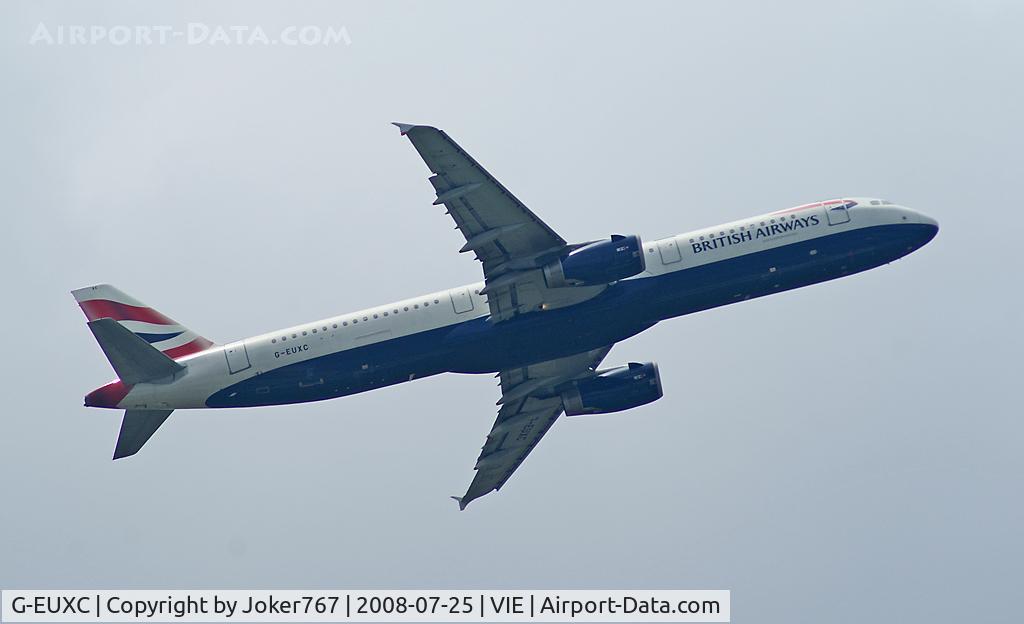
(134, 360)
(137, 427)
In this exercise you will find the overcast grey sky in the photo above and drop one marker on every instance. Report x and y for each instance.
(845, 452)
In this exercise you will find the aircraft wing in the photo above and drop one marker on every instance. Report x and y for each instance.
(511, 242)
(529, 407)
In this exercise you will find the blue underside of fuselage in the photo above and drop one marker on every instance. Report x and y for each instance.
(623, 310)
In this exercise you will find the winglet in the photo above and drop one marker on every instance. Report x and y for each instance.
(403, 128)
(462, 505)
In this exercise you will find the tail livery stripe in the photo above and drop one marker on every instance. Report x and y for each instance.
(151, 338)
(197, 345)
(101, 308)
(108, 396)
(168, 336)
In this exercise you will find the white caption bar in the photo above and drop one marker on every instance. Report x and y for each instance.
(366, 606)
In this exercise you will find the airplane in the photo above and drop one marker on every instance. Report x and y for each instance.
(543, 319)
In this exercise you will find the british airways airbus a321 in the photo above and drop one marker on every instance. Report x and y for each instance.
(544, 317)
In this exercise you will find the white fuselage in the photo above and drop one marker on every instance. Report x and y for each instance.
(223, 366)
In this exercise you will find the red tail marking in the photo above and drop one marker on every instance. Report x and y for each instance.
(197, 345)
(107, 396)
(103, 308)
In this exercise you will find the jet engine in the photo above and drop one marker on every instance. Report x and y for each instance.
(598, 263)
(614, 390)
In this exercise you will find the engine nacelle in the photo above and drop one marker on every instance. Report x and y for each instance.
(598, 263)
(614, 390)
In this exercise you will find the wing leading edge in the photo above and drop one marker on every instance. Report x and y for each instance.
(529, 406)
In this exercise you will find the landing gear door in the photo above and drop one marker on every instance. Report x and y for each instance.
(837, 213)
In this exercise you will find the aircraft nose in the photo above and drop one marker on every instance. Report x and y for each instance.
(925, 227)
(931, 226)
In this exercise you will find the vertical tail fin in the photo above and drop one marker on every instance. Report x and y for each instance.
(166, 335)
